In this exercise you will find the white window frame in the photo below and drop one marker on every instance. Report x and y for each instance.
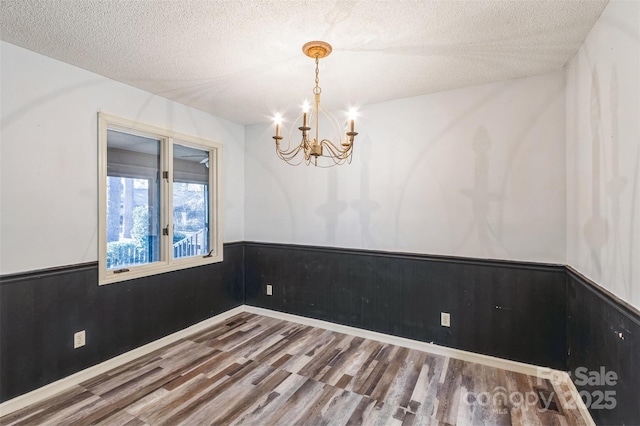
(167, 137)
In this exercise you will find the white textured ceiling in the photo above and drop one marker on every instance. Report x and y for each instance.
(242, 59)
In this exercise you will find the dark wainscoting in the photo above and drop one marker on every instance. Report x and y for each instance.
(40, 311)
(510, 310)
(594, 323)
(546, 315)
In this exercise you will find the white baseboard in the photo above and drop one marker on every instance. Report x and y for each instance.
(68, 382)
(61, 385)
(578, 399)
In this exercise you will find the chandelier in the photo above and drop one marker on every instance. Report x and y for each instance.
(311, 150)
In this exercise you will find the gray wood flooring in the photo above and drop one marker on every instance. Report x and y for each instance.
(255, 370)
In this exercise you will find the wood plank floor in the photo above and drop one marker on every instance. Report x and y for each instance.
(255, 370)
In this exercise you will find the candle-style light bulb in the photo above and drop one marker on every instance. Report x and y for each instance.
(277, 119)
(352, 118)
(305, 110)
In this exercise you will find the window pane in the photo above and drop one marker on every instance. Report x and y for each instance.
(190, 201)
(133, 200)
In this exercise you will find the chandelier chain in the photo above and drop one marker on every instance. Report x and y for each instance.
(317, 89)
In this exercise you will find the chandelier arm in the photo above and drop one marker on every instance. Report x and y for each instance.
(335, 147)
(288, 155)
(346, 157)
(335, 151)
(336, 161)
(288, 160)
(291, 160)
(293, 151)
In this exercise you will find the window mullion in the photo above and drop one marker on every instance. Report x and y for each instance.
(214, 178)
(216, 201)
(102, 197)
(167, 200)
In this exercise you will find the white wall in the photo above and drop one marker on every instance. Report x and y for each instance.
(49, 158)
(477, 172)
(603, 153)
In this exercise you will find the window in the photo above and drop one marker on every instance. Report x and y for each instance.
(159, 204)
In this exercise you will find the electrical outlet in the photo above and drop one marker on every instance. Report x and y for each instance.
(445, 319)
(79, 339)
(269, 290)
